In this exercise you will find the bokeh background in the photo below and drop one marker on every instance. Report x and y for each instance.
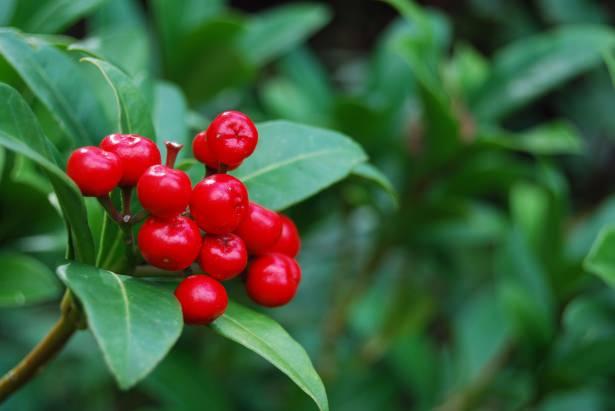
(465, 290)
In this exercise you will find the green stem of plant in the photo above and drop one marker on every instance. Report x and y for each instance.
(45, 350)
(126, 226)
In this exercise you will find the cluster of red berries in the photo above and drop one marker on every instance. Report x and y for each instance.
(171, 238)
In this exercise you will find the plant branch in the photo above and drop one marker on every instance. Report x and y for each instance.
(109, 207)
(45, 350)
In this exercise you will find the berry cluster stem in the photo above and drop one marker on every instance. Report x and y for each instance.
(70, 320)
(173, 150)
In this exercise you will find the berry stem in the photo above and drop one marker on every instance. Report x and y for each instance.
(126, 199)
(45, 350)
(209, 171)
(109, 207)
(126, 225)
(138, 217)
(173, 149)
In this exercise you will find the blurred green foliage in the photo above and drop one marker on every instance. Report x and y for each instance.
(466, 285)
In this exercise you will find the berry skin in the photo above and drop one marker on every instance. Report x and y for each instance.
(163, 191)
(260, 229)
(202, 298)
(289, 242)
(202, 153)
(169, 244)
(223, 256)
(219, 203)
(273, 279)
(95, 171)
(136, 153)
(232, 137)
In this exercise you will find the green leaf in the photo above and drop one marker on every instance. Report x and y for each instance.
(177, 19)
(208, 60)
(133, 112)
(7, 8)
(21, 133)
(293, 162)
(481, 332)
(25, 280)
(58, 82)
(274, 32)
(126, 47)
(609, 58)
(573, 11)
(524, 289)
(371, 173)
(51, 16)
(557, 137)
(467, 70)
(422, 48)
(170, 114)
(601, 258)
(269, 340)
(532, 66)
(584, 234)
(134, 322)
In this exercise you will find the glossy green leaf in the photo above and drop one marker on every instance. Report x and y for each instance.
(112, 248)
(58, 82)
(532, 66)
(170, 114)
(269, 340)
(7, 8)
(133, 111)
(557, 137)
(371, 173)
(25, 280)
(21, 133)
(273, 32)
(134, 322)
(294, 161)
(51, 16)
(126, 47)
(601, 258)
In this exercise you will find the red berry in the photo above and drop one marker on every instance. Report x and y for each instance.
(170, 244)
(260, 229)
(219, 203)
(273, 279)
(202, 298)
(223, 256)
(136, 153)
(163, 191)
(95, 171)
(201, 152)
(289, 242)
(232, 137)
